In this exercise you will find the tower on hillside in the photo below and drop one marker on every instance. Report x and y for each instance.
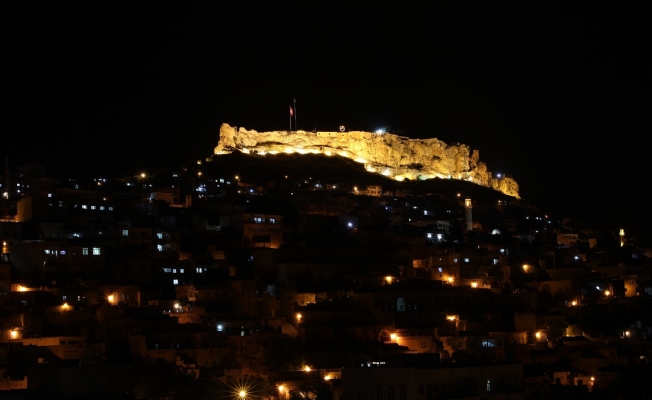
(468, 215)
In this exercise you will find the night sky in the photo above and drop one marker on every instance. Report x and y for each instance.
(555, 95)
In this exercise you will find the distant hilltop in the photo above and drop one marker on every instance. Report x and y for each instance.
(396, 157)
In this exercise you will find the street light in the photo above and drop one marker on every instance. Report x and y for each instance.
(474, 284)
(242, 394)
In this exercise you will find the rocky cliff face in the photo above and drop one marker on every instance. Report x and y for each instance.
(394, 156)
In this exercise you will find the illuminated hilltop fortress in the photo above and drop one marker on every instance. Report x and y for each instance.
(396, 157)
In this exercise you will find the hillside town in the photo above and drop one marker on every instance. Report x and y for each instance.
(220, 281)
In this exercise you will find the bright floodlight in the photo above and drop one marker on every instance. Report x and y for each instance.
(350, 225)
(380, 130)
(242, 394)
(474, 284)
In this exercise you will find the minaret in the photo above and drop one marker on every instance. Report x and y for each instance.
(468, 215)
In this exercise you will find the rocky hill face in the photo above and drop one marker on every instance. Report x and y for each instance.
(396, 157)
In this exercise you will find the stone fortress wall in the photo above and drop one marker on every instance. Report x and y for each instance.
(394, 156)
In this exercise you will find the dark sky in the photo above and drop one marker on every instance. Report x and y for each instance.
(554, 94)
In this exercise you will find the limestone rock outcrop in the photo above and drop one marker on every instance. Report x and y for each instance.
(396, 157)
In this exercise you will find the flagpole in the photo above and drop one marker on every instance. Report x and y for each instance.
(290, 118)
(296, 127)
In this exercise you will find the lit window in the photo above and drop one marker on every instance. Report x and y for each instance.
(96, 251)
(174, 270)
(181, 271)
(198, 270)
(47, 251)
(125, 232)
(85, 251)
(49, 194)
(93, 207)
(110, 208)
(159, 247)
(167, 270)
(272, 220)
(84, 207)
(454, 259)
(466, 260)
(440, 269)
(63, 252)
(101, 208)
(488, 385)
(175, 281)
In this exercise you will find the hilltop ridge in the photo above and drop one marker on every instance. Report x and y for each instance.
(397, 157)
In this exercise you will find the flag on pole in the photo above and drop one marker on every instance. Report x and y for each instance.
(291, 111)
